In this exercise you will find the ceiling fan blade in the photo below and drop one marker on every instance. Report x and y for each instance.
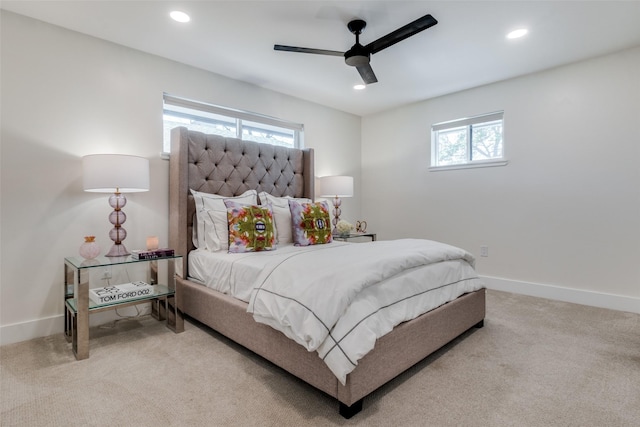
(307, 50)
(367, 74)
(402, 33)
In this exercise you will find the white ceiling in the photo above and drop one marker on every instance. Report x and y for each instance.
(467, 47)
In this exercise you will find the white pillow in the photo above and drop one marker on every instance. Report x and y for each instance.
(281, 214)
(211, 231)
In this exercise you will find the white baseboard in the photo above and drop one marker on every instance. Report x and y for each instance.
(46, 326)
(577, 296)
(18, 332)
(24, 331)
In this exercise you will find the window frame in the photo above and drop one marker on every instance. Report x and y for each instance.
(468, 123)
(238, 116)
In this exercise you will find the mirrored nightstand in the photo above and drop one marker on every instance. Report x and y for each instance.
(356, 237)
(81, 275)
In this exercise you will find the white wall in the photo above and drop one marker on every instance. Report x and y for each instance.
(65, 95)
(565, 211)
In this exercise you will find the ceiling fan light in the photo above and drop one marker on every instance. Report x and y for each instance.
(359, 86)
(516, 34)
(179, 16)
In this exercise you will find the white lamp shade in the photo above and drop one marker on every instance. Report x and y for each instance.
(108, 173)
(336, 186)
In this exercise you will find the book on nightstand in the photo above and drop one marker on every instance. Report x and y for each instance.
(121, 293)
(152, 254)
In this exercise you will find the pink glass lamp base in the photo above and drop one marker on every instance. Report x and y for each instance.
(117, 218)
(337, 202)
(118, 249)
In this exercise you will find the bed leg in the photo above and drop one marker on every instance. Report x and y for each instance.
(480, 324)
(349, 411)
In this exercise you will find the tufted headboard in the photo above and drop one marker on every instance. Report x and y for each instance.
(229, 167)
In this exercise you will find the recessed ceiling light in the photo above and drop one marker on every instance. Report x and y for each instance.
(179, 16)
(359, 86)
(515, 34)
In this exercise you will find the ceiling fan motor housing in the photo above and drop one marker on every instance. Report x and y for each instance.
(357, 56)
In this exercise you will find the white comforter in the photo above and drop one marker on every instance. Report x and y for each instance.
(338, 299)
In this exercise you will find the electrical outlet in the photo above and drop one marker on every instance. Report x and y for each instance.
(484, 251)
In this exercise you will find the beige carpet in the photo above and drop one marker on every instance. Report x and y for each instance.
(535, 363)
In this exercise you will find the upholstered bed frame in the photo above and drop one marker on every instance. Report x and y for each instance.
(228, 166)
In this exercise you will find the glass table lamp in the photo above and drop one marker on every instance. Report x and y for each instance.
(117, 174)
(336, 186)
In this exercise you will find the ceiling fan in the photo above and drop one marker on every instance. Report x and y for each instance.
(359, 56)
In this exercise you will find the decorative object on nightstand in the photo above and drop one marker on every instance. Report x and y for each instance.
(89, 249)
(152, 253)
(344, 228)
(361, 226)
(116, 173)
(152, 243)
(336, 186)
(121, 293)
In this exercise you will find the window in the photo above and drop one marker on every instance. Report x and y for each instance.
(468, 142)
(227, 122)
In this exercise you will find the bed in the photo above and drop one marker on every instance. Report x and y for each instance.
(229, 167)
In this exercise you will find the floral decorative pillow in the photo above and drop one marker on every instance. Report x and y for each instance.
(251, 228)
(282, 214)
(311, 223)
